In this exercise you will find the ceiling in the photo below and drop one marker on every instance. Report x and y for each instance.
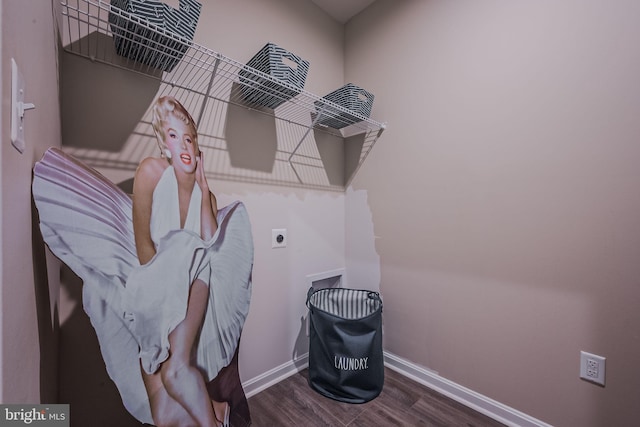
(343, 10)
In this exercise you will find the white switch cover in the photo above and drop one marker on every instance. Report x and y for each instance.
(278, 238)
(18, 108)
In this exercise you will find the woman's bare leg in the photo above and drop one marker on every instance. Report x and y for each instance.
(165, 411)
(221, 411)
(183, 381)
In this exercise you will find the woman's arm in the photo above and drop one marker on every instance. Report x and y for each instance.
(144, 183)
(209, 207)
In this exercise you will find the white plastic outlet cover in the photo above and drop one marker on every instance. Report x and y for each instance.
(592, 367)
(278, 238)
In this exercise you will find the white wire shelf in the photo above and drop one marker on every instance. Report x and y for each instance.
(89, 29)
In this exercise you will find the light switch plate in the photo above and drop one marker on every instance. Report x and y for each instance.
(18, 107)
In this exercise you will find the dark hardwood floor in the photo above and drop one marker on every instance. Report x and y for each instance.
(402, 403)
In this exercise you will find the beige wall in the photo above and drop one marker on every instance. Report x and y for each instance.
(504, 195)
(28, 304)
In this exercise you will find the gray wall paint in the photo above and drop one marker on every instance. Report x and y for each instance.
(29, 289)
(504, 195)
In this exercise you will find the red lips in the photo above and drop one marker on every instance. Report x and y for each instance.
(186, 159)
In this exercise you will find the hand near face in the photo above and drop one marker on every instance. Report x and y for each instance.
(201, 178)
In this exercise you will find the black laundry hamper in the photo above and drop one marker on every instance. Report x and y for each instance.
(345, 344)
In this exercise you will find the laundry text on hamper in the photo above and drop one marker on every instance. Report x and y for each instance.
(351, 363)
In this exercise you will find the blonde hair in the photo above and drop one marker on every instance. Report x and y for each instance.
(163, 108)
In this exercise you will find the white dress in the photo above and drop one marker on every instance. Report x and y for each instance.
(87, 222)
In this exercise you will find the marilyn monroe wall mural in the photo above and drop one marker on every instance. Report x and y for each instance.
(166, 274)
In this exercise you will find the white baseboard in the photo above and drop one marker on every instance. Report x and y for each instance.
(475, 401)
(489, 407)
(261, 382)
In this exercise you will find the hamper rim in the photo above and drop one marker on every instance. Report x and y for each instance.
(346, 319)
(375, 312)
(315, 291)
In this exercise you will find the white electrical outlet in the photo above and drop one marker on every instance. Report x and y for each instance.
(278, 238)
(592, 367)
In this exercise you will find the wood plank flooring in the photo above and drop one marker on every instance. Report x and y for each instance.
(402, 402)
